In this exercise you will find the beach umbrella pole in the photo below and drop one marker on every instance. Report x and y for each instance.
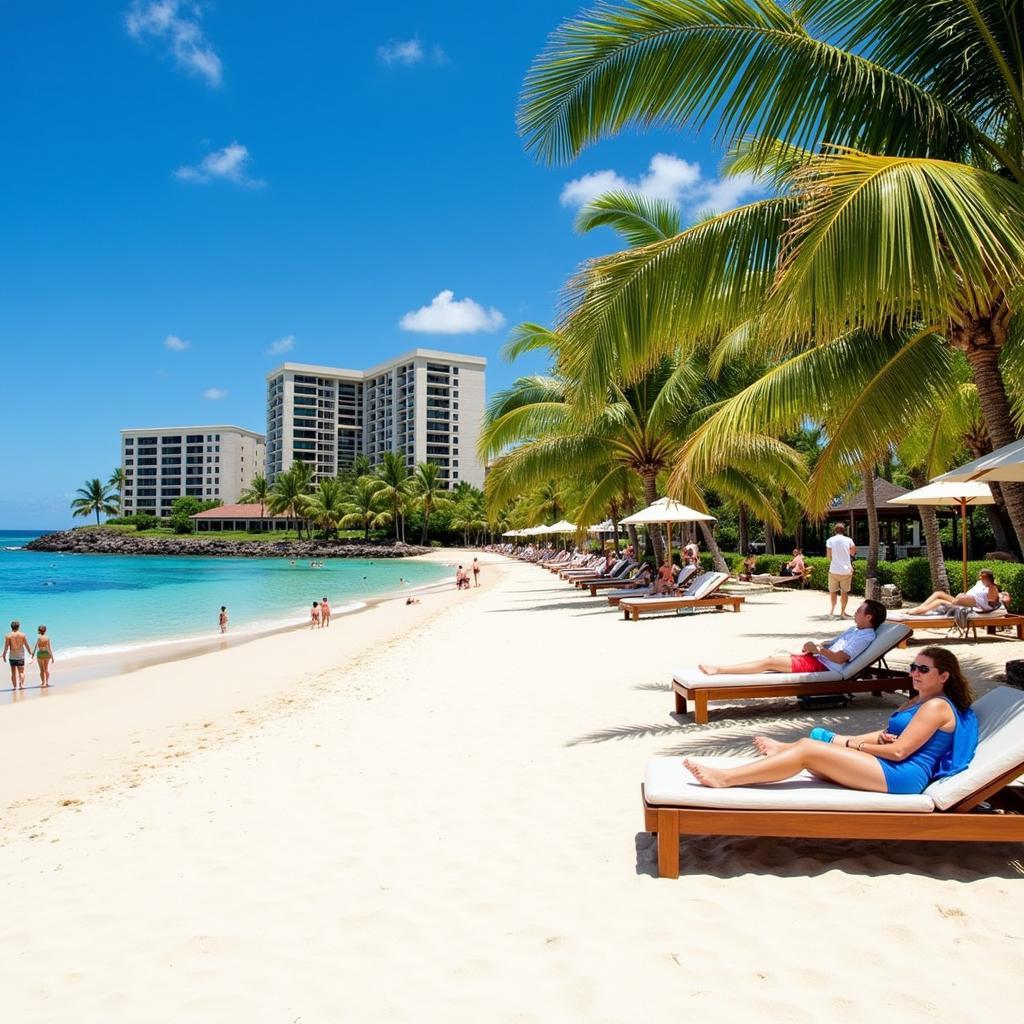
(963, 538)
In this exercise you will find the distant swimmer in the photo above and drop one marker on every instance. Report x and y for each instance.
(314, 615)
(43, 653)
(17, 644)
(325, 613)
(223, 618)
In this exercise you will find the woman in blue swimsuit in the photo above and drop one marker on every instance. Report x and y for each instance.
(932, 736)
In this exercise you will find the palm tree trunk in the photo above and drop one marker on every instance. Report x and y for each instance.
(650, 478)
(717, 558)
(871, 572)
(998, 521)
(769, 540)
(97, 515)
(743, 518)
(930, 525)
(981, 342)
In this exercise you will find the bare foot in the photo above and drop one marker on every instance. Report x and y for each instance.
(710, 777)
(709, 670)
(767, 746)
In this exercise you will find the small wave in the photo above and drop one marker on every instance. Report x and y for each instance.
(8, 547)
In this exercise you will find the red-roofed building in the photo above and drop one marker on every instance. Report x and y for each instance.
(250, 518)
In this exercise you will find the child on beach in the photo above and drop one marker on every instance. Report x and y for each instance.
(314, 615)
(325, 613)
(43, 653)
(223, 618)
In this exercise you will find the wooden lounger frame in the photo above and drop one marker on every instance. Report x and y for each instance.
(668, 604)
(961, 823)
(948, 622)
(876, 680)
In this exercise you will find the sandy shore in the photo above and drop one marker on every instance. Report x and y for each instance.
(434, 814)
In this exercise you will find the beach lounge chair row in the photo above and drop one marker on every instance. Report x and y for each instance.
(701, 592)
(979, 804)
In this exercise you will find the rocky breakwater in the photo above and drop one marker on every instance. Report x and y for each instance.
(107, 542)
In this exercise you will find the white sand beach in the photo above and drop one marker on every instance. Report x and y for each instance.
(432, 812)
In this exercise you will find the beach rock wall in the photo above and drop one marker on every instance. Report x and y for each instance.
(103, 542)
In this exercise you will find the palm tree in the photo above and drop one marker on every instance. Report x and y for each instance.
(908, 208)
(362, 507)
(393, 475)
(94, 497)
(258, 492)
(116, 482)
(429, 491)
(289, 494)
(327, 505)
(469, 515)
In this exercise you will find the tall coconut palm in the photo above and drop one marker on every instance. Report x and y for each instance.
(896, 131)
(290, 493)
(429, 492)
(393, 475)
(469, 515)
(116, 482)
(94, 497)
(258, 493)
(327, 505)
(362, 507)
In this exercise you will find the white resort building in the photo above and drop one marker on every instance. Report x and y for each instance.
(207, 462)
(427, 405)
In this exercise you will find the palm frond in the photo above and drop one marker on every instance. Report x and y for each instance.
(637, 218)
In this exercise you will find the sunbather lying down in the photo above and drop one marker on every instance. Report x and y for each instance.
(932, 736)
(984, 596)
(816, 657)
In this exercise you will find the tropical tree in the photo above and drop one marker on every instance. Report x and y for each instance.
(429, 492)
(290, 492)
(393, 475)
(258, 493)
(469, 515)
(327, 505)
(895, 133)
(362, 507)
(116, 482)
(94, 497)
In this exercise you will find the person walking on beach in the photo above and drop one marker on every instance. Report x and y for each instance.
(314, 616)
(223, 618)
(43, 653)
(841, 552)
(476, 572)
(325, 612)
(16, 643)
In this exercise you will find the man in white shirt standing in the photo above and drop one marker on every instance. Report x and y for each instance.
(841, 553)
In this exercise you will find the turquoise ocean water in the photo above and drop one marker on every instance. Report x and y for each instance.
(96, 604)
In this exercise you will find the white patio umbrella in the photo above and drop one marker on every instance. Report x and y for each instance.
(1006, 463)
(605, 527)
(562, 527)
(667, 511)
(947, 492)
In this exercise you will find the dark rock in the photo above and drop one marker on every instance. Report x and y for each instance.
(106, 542)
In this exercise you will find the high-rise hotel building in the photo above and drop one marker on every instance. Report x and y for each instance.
(427, 405)
(205, 462)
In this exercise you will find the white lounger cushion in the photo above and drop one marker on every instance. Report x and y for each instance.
(1000, 746)
(701, 587)
(668, 783)
(888, 635)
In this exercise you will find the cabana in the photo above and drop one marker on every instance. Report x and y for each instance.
(242, 518)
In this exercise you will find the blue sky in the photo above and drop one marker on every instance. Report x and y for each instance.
(192, 193)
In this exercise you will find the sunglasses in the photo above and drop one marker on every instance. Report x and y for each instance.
(922, 669)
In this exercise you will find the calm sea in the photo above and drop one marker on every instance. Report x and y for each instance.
(95, 604)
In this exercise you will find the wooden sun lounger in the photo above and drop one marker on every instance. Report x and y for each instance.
(596, 585)
(653, 605)
(990, 622)
(962, 823)
(979, 804)
(876, 681)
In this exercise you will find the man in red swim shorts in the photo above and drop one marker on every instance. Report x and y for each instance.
(816, 657)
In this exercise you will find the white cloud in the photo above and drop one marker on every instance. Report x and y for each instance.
(176, 344)
(448, 315)
(282, 345)
(407, 52)
(227, 164)
(215, 394)
(668, 177)
(179, 30)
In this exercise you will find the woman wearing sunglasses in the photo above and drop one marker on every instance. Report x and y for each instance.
(930, 737)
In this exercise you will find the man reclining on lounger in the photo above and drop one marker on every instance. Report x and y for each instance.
(816, 657)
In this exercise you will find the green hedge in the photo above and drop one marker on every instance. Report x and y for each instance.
(911, 575)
